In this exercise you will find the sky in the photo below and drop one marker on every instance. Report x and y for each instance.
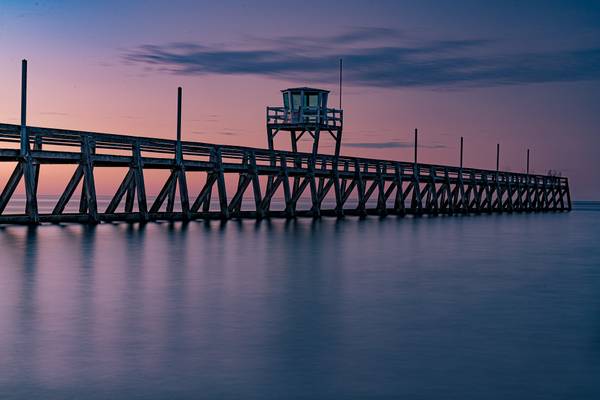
(522, 74)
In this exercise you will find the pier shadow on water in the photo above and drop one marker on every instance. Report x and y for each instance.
(495, 307)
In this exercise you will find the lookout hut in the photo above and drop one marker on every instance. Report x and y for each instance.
(305, 111)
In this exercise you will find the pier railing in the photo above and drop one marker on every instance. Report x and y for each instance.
(330, 185)
(330, 117)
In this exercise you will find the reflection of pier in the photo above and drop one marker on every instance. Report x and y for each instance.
(333, 184)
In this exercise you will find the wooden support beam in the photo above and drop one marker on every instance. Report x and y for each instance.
(236, 202)
(165, 191)
(450, 201)
(399, 206)
(314, 194)
(266, 201)
(140, 186)
(218, 162)
(123, 188)
(184, 196)
(338, 190)
(171, 192)
(433, 205)
(253, 173)
(89, 185)
(11, 185)
(360, 187)
(417, 201)
(69, 190)
(381, 198)
(130, 197)
(203, 198)
(287, 194)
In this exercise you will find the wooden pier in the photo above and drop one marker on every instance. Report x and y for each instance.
(334, 185)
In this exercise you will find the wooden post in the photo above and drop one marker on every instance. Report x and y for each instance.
(24, 135)
(338, 142)
(497, 157)
(340, 83)
(139, 182)
(179, 152)
(461, 152)
(220, 182)
(29, 171)
(89, 186)
(416, 141)
(315, 149)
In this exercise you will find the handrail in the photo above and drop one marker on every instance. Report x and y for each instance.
(73, 138)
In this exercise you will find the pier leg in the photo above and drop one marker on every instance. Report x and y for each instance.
(88, 179)
(139, 183)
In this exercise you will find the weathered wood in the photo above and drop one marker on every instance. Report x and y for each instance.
(11, 185)
(167, 190)
(399, 206)
(218, 161)
(88, 178)
(124, 187)
(29, 173)
(68, 192)
(203, 198)
(314, 193)
(253, 173)
(183, 193)
(433, 189)
(140, 186)
(236, 202)
(130, 197)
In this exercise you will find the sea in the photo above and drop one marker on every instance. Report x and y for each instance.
(450, 307)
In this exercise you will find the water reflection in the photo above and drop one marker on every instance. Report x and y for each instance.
(488, 306)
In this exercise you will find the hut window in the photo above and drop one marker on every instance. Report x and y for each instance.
(286, 100)
(296, 104)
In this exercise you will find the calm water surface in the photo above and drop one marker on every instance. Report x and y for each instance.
(488, 307)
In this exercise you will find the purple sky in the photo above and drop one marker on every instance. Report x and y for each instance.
(524, 74)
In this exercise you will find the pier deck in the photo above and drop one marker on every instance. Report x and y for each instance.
(353, 185)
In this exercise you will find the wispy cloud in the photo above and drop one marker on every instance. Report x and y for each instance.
(373, 57)
(53, 113)
(225, 132)
(392, 144)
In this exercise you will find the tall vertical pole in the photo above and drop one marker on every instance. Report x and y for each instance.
(24, 135)
(178, 150)
(31, 207)
(527, 161)
(461, 151)
(416, 143)
(497, 157)
(340, 83)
